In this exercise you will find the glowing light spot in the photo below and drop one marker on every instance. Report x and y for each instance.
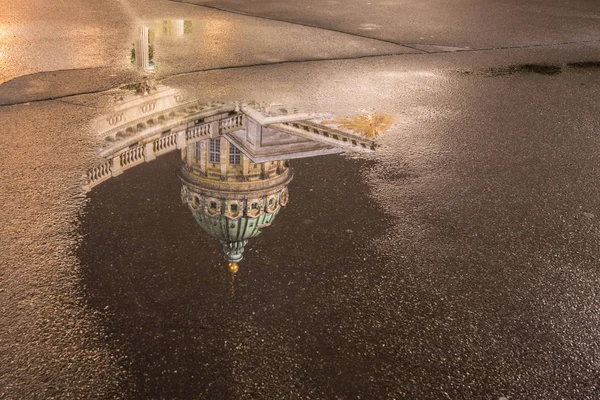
(369, 124)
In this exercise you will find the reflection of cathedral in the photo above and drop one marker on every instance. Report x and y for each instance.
(235, 184)
(231, 198)
(142, 52)
(235, 169)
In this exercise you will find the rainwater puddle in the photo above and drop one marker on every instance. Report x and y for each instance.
(228, 246)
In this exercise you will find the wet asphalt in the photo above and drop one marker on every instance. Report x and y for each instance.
(458, 262)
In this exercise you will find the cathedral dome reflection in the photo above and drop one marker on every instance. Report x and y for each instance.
(232, 198)
(235, 169)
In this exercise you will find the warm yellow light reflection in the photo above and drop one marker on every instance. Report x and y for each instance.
(3, 39)
(369, 125)
(233, 267)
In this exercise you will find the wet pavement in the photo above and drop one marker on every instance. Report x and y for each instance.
(458, 260)
(436, 24)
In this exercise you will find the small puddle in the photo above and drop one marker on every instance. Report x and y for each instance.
(585, 65)
(542, 69)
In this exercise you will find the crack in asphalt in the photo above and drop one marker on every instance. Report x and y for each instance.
(412, 46)
(50, 72)
(179, 74)
(52, 98)
(76, 104)
(528, 46)
(266, 64)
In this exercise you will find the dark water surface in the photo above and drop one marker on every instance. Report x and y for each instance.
(291, 322)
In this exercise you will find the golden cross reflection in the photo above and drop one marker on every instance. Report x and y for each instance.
(369, 125)
(233, 269)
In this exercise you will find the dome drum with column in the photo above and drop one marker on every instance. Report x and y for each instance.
(232, 210)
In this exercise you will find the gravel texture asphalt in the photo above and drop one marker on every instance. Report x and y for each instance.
(459, 261)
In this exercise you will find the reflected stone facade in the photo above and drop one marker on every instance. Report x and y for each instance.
(231, 197)
(235, 168)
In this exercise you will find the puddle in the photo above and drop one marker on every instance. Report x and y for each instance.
(235, 157)
(521, 69)
(542, 69)
(198, 253)
(585, 65)
(186, 323)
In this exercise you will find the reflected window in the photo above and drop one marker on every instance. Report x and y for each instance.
(215, 151)
(254, 206)
(235, 155)
(198, 150)
(187, 26)
(213, 205)
(234, 208)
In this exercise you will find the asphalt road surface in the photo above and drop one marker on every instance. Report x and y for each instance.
(459, 261)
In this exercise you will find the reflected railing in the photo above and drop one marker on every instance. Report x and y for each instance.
(235, 156)
(139, 134)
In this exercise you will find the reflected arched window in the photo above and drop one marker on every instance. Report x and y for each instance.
(235, 155)
(215, 151)
(198, 150)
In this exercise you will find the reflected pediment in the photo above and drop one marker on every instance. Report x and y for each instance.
(261, 143)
